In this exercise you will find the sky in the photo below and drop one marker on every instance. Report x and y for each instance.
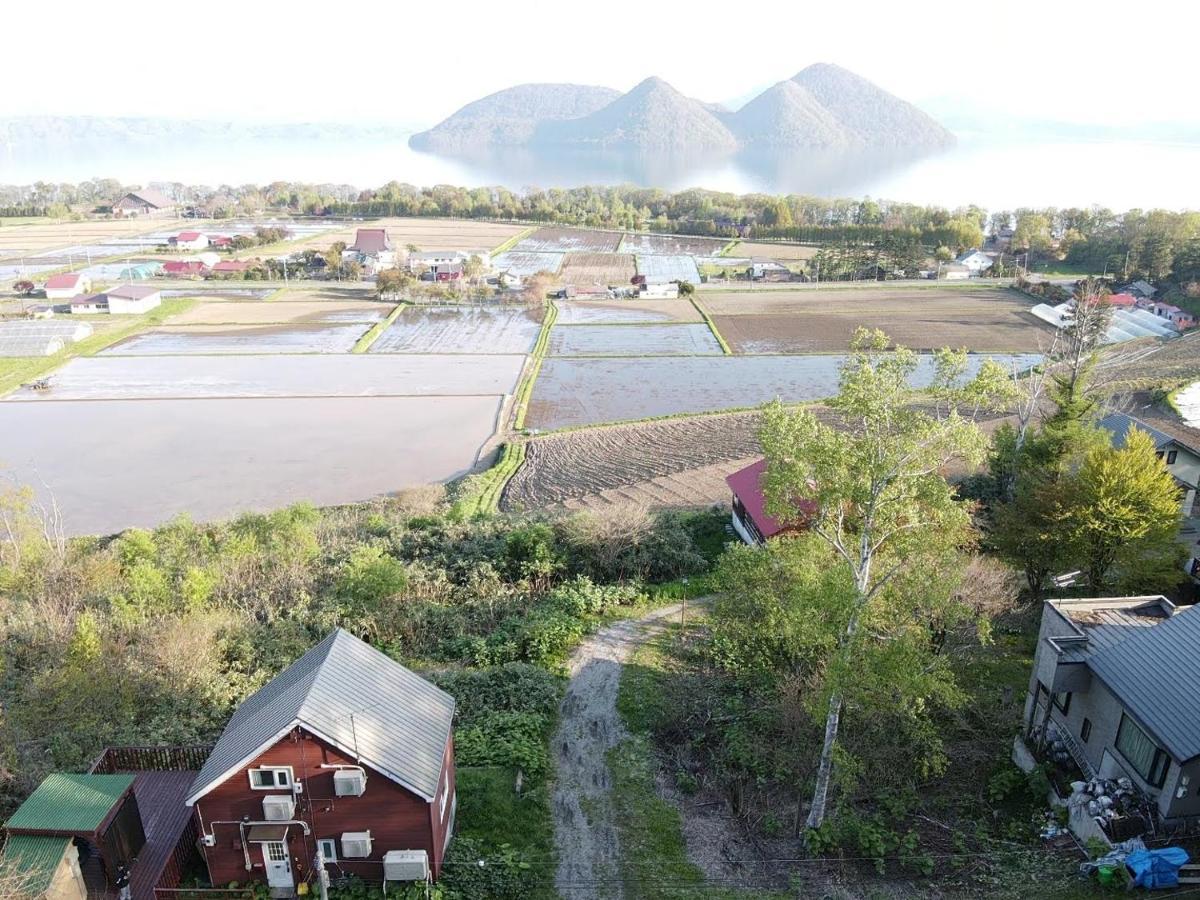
(412, 64)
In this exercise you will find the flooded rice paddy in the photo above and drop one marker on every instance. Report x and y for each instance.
(469, 329)
(198, 339)
(575, 392)
(633, 340)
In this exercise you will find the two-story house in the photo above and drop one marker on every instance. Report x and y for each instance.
(345, 760)
(1117, 681)
(1181, 457)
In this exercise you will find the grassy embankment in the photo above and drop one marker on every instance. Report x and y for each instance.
(525, 390)
(18, 370)
(479, 494)
(364, 343)
(712, 326)
(514, 240)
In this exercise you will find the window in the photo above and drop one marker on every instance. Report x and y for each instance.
(1172, 455)
(1147, 758)
(1063, 702)
(271, 778)
(328, 849)
(1158, 454)
(1085, 730)
(445, 794)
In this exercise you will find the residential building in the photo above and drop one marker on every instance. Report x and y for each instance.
(1181, 318)
(345, 759)
(1180, 455)
(432, 258)
(183, 268)
(132, 299)
(67, 286)
(954, 272)
(89, 304)
(1115, 681)
(189, 240)
(663, 291)
(976, 261)
(232, 267)
(1143, 290)
(750, 519)
(147, 202)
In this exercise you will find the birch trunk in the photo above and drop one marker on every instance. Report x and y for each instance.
(816, 813)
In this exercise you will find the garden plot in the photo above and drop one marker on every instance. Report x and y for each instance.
(575, 392)
(668, 268)
(633, 340)
(124, 463)
(204, 339)
(461, 329)
(598, 268)
(810, 320)
(280, 313)
(671, 245)
(563, 240)
(313, 375)
(524, 263)
(625, 312)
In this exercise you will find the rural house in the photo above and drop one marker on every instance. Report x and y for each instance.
(1182, 458)
(67, 286)
(976, 261)
(1115, 682)
(189, 240)
(132, 298)
(89, 304)
(1143, 290)
(1125, 301)
(146, 202)
(433, 258)
(750, 519)
(345, 759)
(229, 268)
(954, 272)
(1180, 318)
(183, 268)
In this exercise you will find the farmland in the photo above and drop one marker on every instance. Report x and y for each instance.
(523, 263)
(632, 340)
(598, 268)
(280, 313)
(626, 312)
(578, 392)
(668, 268)
(205, 339)
(671, 245)
(427, 234)
(570, 240)
(820, 321)
(463, 329)
(780, 252)
(571, 466)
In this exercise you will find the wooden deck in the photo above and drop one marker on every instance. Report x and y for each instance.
(165, 817)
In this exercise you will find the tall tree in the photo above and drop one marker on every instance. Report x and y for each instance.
(880, 504)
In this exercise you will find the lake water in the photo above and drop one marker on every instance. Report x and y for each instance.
(995, 174)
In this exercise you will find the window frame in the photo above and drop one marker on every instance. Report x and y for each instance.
(323, 843)
(1064, 705)
(1160, 761)
(1172, 456)
(1085, 730)
(275, 786)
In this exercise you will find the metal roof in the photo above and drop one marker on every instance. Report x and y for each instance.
(33, 859)
(1154, 673)
(150, 197)
(1120, 424)
(348, 693)
(70, 803)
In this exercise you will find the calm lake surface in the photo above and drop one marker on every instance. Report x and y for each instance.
(991, 173)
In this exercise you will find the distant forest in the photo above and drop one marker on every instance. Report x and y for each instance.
(1160, 245)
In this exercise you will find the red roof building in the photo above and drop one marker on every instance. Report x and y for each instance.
(750, 519)
(220, 240)
(231, 267)
(1123, 300)
(371, 240)
(188, 235)
(63, 282)
(179, 268)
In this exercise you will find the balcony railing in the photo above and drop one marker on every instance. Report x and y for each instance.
(150, 759)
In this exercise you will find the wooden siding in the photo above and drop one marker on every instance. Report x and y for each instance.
(396, 818)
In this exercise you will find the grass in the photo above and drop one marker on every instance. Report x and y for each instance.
(363, 344)
(712, 326)
(491, 812)
(514, 240)
(539, 352)
(480, 494)
(17, 371)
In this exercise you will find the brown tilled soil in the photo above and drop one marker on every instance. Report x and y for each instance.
(689, 488)
(597, 268)
(1148, 364)
(585, 464)
(782, 252)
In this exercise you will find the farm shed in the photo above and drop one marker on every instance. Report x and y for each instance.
(954, 272)
(99, 809)
(67, 286)
(89, 304)
(229, 267)
(347, 722)
(178, 268)
(750, 519)
(44, 866)
(133, 298)
(147, 202)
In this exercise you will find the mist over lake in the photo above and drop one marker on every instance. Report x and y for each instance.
(989, 172)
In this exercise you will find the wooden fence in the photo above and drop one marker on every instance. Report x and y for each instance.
(150, 759)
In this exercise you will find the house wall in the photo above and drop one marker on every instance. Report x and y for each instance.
(1186, 466)
(396, 818)
(67, 881)
(119, 305)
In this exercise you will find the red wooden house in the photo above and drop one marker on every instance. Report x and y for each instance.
(344, 761)
(750, 519)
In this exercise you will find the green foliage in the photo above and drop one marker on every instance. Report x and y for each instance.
(478, 872)
(370, 576)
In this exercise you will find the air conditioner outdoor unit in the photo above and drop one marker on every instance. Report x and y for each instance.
(356, 844)
(406, 865)
(279, 808)
(349, 783)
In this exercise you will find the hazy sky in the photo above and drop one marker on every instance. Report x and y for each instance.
(415, 62)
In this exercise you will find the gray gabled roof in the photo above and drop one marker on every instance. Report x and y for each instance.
(152, 198)
(1155, 674)
(345, 692)
(1120, 424)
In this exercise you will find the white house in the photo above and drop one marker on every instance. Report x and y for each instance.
(659, 291)
(68, 286)
(1181, 458)
(133, 299)
(976, 260)
(433, 258)
(89, 304)
(189, 240)
(954, 272)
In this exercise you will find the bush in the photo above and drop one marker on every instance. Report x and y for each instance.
(475, 872)
(515, 687)
(513, 739)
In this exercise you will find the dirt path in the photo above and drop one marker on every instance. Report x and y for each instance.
(584, 827)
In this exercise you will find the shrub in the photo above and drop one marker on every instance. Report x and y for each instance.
(474, 872)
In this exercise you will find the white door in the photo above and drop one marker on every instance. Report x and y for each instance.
(279, 866)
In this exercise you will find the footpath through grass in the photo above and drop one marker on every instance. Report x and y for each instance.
(17, 371)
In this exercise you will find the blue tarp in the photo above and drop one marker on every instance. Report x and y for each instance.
(1156, 868)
